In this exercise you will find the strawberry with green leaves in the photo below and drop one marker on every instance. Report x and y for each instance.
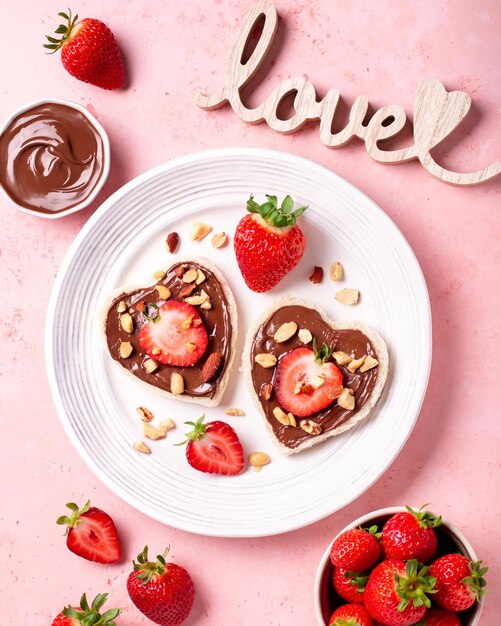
(460, 582)
(396, 593)
(349, 585)
(91, 533)
(357, 549)
(89, 51)
(85, 615)
(411, 535)
(268, 243)
(351, 615)
(162, 591)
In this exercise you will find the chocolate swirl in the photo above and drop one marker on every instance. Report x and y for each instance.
(51, 158)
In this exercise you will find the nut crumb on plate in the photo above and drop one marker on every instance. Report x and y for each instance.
(259, 459)
(145, 414)
(167, 424)
(336, 272)
(140, 446)
(317, 275)
(172, 242)
(348, 296)
(152, 432)
(199, 230)
(158, 275)
(218, 240)
(235, 412)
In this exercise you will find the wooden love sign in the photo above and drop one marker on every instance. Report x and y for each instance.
(437, 112)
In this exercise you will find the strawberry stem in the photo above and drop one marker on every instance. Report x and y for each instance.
(476, 582)
(197, 433)
(415, 585)
(90, 615)
(148, 569)
(63, 29)
(321, 354)
(425, 518)
(280, 216)
(72, 520)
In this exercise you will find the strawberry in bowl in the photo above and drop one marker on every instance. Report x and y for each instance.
(445, 590)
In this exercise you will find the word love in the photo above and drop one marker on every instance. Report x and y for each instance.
(437, 112)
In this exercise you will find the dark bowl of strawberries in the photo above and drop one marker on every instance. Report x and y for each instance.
(398, 567)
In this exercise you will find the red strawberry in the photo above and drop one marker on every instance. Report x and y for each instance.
(305, 382)
(438, 617)
(351, 615)
(410, 535)
(214, 448)
(164, 592)
(396, 592)
(268, 244)
(174, 333)
(349, 585)
(89, 51)
(356, 549)
(460, 582)
(85, 614)
(91, 534)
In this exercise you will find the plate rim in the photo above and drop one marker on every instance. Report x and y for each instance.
(194, 157)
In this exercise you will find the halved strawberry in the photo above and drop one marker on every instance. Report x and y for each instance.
(306, 382)
(91, 534)
(174, 333)
(214, 448)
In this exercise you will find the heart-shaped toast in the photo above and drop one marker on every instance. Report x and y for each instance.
(312, 378)
(177, 335)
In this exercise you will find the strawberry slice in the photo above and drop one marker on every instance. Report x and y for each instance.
(174, 333)
(214, 448)
(306, 382)
(91, 534)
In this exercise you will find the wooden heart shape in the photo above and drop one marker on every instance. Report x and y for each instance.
(354, 339)
(205, 381)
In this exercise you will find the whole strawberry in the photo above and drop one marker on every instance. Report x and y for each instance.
(87, 615)
(439, 617)
(460, 582)
(410, 535)
(356, 550)
(349, 585)
(351, 615)
(91, 533)
(164, 592)
(89, 51)
(396, 593)
(268, 244)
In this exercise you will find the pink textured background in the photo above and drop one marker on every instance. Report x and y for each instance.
(453, 457)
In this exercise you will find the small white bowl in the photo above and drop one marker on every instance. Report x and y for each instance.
(106, 158)
(324, 594)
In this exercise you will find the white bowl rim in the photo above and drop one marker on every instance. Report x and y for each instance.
(364, 519)
(106, 156)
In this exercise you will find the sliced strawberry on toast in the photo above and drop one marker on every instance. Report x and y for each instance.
(174, 334)
(214, 448)
(306, 382)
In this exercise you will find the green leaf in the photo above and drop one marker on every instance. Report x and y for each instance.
(64, 16)
(62, 520)
(99, 601)
(299, 211)
(287, 204)
(72, 506)
(50, 46)
(84, 605)
(52, 39)
(61, 29)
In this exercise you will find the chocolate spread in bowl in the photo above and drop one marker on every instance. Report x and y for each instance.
(51, 158)
(351, 341)
(216, 320)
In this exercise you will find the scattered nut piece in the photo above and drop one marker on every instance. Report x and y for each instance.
(167, 424)
(155, 351)
(265, 360)
(211, 366)
(187, 290)
(304, 336)
(195, 300)
(187, 322)
(285, 332)
(127, 323)
(152, 432)
(140, 446)
(150, 365)
(199, 230)
(172, 241)
(317, 381)
(235, 412)
(287, 419)
(200, 277)
(131, 310)
(347, 400)
(303, 387)
(369, 363)
(259, 459)
(190, 276)
(206, 304)
(348, 296)
(266, 391)
(311, 427)
(158, 275)
(218, 240)
(355, 364)
(125, 349)
(164, 292)
(122, 307)
(336, 271)
(140, 306)
(180, 271)
(317, 275)
(145, 414)
(341, 358)
(176, 384)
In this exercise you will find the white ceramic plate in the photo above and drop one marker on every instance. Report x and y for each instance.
(124, 242)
